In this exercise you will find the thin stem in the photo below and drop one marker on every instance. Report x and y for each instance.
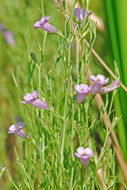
(77, 60)
(64, 126)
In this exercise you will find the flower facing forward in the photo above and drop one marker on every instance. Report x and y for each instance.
(82, 90)
(43, 24)
(17, 130)
(98, 82)
(80, 15)
(34, 100)
(84, 155)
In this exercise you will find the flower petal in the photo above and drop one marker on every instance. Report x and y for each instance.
(12, 129)
(77, 12)
(85, 161)
(80, 98)
(35, 94)
(115, 84)
(20, 125)
(37, 24)
(20, 133)
(28, 97)
(48, 27)
(39, 104)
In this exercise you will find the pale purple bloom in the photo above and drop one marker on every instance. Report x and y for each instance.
(9, 37)
(115, 84)
(80, 14)
(17, 130)
(43, 24)
(34, 101)
(84, 155)
(98, 82)
(82, 90)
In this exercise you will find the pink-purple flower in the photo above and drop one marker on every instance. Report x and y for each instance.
(17, 130)
(43, 24)
(99, 83)
(82, 90)
(8, 35)
(106, 89)
(80, 14)
(84, 155)
(98, 86)
(34, 100)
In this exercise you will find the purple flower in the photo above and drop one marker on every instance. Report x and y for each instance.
(9, 37)
(34, 101)
(115, 84)
(17, 130)
(98, 82)
(80, 14)
(84, 155)
(82, 90)
(43, 24)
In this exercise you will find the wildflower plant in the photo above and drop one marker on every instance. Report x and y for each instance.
(65, 143)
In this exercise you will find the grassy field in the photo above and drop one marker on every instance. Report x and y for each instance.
(53, 64)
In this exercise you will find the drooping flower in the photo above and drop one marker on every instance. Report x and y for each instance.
(84, 155)
(43, 24)
(115, 84)
(82, 90)
(17, 130)
(80, 15)
(98, 82)
(34, 101)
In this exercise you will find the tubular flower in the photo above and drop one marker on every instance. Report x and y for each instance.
(82, 90)
(43, 24)
(17, 130)
(80, 14)
(115, 84)
(98, 82)
(34, 101)
(84, 155)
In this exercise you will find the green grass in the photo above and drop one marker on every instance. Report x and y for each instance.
(53, 66)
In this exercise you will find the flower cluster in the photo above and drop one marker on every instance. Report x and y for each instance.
(98, 86)
(34, 101)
